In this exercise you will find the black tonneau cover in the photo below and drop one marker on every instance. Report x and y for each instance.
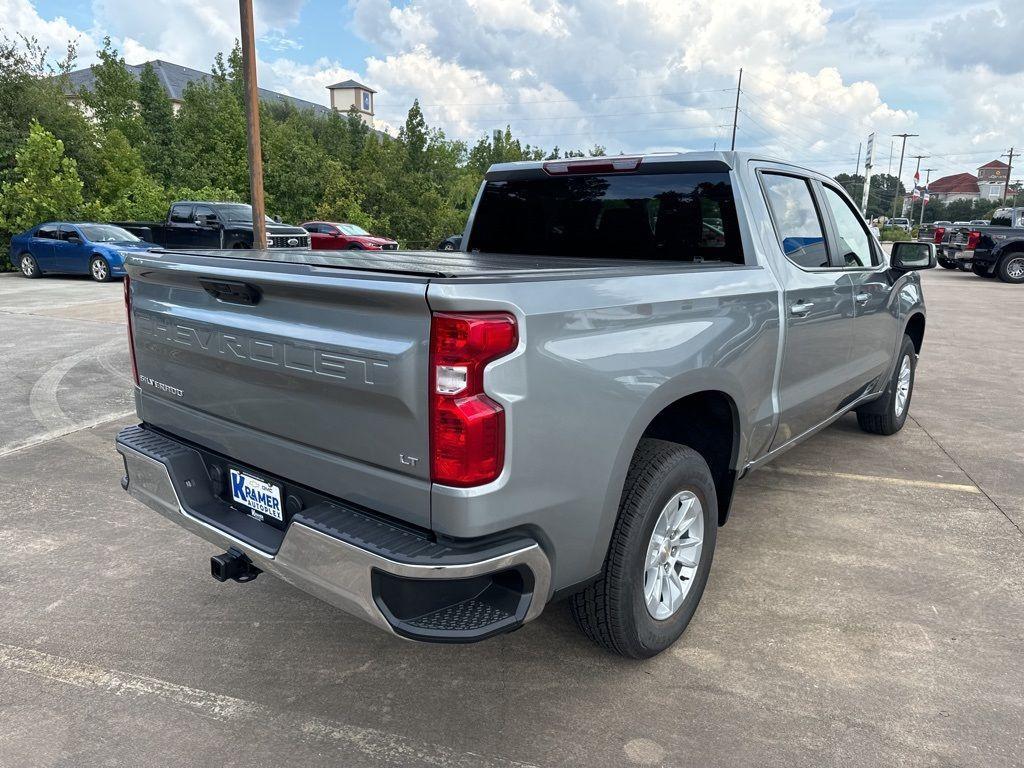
(450, 264)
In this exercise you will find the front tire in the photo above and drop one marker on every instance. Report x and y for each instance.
(99, 269)
(29, 266)
(659, 556)
(1011, 268)
(888, 414)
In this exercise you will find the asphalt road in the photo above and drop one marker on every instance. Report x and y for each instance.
(866, 606)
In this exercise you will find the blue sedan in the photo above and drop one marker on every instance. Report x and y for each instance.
(78, 248)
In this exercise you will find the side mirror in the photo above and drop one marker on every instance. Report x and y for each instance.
(908, 255)
(74, 239)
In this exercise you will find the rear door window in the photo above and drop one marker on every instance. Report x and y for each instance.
(796, 219)
(685, 217)
(47, 232)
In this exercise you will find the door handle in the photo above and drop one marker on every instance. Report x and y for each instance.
(801, 308)
(862, 298)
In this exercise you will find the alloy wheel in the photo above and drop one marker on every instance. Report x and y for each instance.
(673, 555)
(903, 386)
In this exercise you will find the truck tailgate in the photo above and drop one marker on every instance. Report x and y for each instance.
(317, 374)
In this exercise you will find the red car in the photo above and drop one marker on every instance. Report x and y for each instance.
(334, 236)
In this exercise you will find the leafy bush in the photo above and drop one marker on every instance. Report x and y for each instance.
(895, 233)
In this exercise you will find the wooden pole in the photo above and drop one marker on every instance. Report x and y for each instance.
(252, 115)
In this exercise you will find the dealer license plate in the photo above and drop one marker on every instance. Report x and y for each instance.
(262, 498)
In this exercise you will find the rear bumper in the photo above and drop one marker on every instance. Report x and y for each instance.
(395, 578)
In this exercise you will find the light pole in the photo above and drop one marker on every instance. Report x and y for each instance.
(899, 174)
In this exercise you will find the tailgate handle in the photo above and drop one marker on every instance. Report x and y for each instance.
(232, 291)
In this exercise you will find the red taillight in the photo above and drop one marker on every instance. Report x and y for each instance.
(939, 232)
(467, 428)
(131, 335)
(592, 165)
(972, 240)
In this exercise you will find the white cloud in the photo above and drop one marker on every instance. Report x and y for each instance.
(981, 37)
(626, 74)
(21, 17)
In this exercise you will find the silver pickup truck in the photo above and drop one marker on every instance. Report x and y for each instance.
(443, 443)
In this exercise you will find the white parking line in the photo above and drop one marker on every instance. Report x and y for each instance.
(386, 748)
(872, 479)
(53, 434)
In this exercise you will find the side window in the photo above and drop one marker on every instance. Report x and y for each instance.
(47, 232)
(66, 233)
(204, 212)
(796, 220)
(180, 214)
(854, 242)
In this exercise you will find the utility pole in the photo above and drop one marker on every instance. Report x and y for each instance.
(889, 172)
(1006, 188)
(899, 174)
(252, 115)
(736, 109)
(927, 181)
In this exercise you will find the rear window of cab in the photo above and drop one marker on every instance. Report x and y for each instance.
(684, 217)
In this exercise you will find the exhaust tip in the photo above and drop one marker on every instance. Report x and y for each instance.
(233, 565)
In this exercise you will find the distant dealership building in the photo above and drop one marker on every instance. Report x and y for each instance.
(987, 185)
(174, 77)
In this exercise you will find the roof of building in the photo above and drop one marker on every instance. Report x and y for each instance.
(994, 164)
(957, 184)
(175, 77)
(350, 84)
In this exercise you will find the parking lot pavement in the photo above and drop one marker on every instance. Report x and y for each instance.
(866, 605)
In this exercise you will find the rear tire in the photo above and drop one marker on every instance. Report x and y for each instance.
(946, 264)
(659, 556)
(1011, 268)
(888, 414)
(29, 266)
(980, 271)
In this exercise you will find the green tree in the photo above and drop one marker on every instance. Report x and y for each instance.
(342, 200)
(123, 189)
(44, 184)
(159, 149)
(114, 97)
(32, 89)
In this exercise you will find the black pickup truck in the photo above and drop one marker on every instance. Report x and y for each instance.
(995, 250)
(205, 224)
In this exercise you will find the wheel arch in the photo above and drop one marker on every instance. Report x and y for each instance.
(708, 422)
(914, 328)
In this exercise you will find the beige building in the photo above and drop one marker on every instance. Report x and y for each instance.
(350, 94)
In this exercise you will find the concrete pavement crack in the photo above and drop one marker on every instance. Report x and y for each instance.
(961, 467)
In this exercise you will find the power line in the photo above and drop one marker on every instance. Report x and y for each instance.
(588, 116)
(573, 101)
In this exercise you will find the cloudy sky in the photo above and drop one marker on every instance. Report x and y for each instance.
(632, 75)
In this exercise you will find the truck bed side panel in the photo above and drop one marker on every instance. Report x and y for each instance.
(598, 360)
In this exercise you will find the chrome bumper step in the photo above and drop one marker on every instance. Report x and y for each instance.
(399, 579)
